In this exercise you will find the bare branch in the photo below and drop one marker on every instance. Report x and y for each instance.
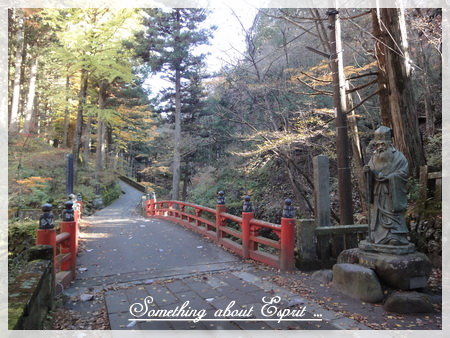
(361, 86)
(328, 56)
(301, 18)
(356, 16)
(315, 78)
(362, 102)
(325, 92)
(320, 93)
(362, 75)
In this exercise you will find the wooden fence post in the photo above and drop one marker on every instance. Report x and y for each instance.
(220, 207)
(287, 258)
(69, 225)
(247, 216)
(46, 233)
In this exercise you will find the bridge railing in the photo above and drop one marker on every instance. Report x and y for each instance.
(238, 234)
(64, 243)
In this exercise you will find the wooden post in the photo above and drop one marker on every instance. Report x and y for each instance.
(70, 246)
(342, 142)
(287, 259)
(47, 237)
(246, 218)
(219, 223)
(220, 207)
(287, 238)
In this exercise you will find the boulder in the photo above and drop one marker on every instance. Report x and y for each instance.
(358, 282)
(324, 276)
(408, 302)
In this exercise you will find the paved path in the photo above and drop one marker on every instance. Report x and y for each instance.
(127, 259)
(121, 246)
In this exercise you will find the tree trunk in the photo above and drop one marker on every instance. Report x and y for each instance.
(342, 143)
(177, 136)
(14, 115)
(109, 149)
(385, 110)
(405, 122)
(185, 181)
(357, 155)
(429, 115)
(100, 149)
(87, 142)
(66, 115)
(29, 111)
(79, 124)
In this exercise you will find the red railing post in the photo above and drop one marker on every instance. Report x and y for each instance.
(287, 258)
(247, 216)
(46, 233)
(69, 246)
(220, 208)
(76, 211)
(150, 208)
(198, 213)
(81, 206)
(170, 204)
(69, 225)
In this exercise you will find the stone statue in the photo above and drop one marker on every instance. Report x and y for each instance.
(386, 174)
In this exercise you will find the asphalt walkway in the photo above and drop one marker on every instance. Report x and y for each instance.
(122, 246)
(147, 265)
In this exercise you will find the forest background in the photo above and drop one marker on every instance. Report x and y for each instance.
(77, 84)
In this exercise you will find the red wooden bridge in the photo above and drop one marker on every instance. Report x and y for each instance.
(238, 234)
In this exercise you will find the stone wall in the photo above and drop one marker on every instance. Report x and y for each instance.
(30, 295)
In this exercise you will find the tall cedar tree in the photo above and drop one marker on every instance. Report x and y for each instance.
(168, 46)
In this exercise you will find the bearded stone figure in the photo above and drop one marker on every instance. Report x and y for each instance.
(386, 174)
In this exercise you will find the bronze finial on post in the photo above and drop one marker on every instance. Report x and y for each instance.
(67, 214)
(247, 205)
(220, 197)
(46, 220)
(288, 210)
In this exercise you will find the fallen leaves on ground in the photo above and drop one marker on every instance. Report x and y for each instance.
(294, 282)
(64, 319)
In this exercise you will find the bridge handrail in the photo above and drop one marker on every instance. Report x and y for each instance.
(231, 217)
(64, 243)
(264, 224)
(242, 238)
(187, 204)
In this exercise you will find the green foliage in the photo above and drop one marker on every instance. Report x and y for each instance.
(111, 193)
(21, 236)
(433, 148)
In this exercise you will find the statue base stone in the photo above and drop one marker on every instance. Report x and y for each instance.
(406, 271)
(388, 249)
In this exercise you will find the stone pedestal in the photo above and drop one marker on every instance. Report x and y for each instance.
(400, 271)
(388, 249)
